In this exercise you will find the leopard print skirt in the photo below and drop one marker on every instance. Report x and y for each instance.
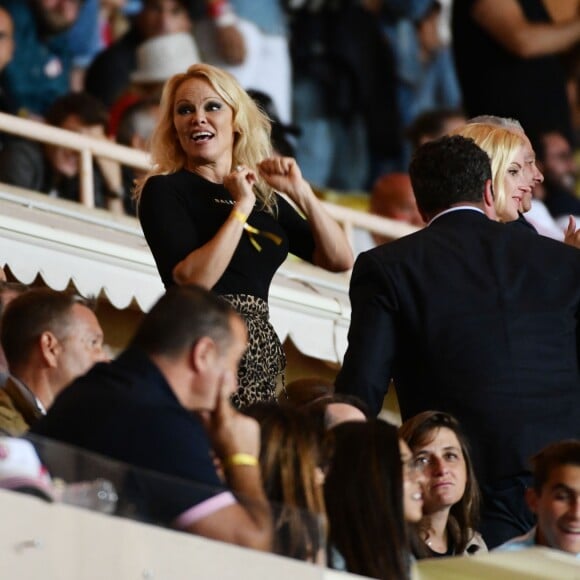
(264, 361)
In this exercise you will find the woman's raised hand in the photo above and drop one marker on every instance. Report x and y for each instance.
(240, 183)
(284, 175)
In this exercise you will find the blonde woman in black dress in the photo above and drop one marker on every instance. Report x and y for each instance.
(212, 215)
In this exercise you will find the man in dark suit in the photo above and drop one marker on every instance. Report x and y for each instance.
(475, 318)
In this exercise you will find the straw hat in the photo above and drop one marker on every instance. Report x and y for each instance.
(160, 57)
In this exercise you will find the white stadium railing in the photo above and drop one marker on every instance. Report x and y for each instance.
(89, 147)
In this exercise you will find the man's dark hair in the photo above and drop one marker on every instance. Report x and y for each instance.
(539, 142)
(29, 315)
(320, 404)
(430, 124)
(566, 452)
(182, 316)
(304, 390)
(446, 171)
(86, 107)
(318, 409)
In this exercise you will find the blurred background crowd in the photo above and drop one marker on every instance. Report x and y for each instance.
(352, 85)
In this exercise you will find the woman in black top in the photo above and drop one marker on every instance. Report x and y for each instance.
(211, 215)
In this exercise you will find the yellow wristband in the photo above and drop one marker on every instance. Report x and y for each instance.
(252, 231)
(240, 459)
(241, 217)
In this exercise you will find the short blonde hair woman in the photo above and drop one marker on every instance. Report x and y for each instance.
(506, 151)
(212, 216)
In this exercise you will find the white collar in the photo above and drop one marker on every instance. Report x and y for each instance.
(456, 208)
(28, 394)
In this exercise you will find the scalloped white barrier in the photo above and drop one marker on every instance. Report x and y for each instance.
(66, 244)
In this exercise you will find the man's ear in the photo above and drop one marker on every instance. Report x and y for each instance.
(50, 348)
(488, 201)
(532, 499)
(203, 354)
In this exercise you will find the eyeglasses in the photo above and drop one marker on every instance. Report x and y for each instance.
(413, 468)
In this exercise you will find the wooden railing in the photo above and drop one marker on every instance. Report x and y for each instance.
(89, 147)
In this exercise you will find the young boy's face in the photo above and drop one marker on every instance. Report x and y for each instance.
(558, 510)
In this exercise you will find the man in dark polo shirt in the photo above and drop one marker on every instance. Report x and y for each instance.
(158, 405)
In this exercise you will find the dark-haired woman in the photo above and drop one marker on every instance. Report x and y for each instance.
(450, 490)
(372, 490)
(292, 461)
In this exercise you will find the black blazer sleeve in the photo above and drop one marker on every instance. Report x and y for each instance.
(366, 369)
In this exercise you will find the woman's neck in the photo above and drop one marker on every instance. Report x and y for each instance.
(437, 538)
(213, 172)
(207, 173)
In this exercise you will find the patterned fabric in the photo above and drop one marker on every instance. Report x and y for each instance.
(264, 360)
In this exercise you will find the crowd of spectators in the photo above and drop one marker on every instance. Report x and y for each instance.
(351, 99)
(350, 494)
(317, 514)
(331, 487)
(474, 318)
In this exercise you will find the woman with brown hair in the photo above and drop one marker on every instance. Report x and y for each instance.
(292, 460)
(372, 490)
(450, 490)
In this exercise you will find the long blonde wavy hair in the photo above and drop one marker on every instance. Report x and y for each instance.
(251, 126)
(502, 145)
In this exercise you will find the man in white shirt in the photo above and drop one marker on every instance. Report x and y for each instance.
(555, 499)
(49, 339)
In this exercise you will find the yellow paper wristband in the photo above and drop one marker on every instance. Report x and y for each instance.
(240, 459)
(241, 217)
